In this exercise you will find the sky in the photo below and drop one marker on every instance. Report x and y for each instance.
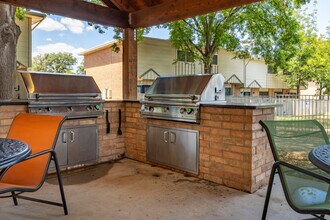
(60, 34)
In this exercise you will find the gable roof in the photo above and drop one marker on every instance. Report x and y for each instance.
(254, 84)
(233, 80)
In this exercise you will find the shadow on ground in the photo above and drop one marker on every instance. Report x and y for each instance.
(82, 175)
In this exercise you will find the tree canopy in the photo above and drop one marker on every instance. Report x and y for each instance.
(266, 30)
(54, 62)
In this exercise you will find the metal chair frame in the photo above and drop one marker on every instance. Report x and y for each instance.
(276, 169)
(17, 191)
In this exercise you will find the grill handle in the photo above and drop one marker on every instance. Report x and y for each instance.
(71, 136)
(171, 96)
(166, 136)
(64, 138)
(172, 137)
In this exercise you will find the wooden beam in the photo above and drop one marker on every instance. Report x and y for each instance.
(81, 10)
(173, 10)
(129, 65)
(123, 5)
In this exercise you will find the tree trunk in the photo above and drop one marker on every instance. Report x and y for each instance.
(207, 69)
(9, 33)
(298, 90)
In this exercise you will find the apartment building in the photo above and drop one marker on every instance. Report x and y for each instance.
(157, 57)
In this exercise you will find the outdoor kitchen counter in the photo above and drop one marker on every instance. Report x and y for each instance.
(233, 149)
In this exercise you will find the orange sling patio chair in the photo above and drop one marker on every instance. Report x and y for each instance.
(40, 132)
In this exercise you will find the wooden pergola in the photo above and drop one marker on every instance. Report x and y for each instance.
(129, 15)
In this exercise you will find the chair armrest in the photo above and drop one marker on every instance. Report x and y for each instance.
(306, 172)
(38, 154)
(3, 171)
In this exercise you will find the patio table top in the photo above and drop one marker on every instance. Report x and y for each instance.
(12, 151)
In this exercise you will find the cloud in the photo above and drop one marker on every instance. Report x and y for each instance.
(89, 28)
(58, 47)
(48, 39)
(75, 26)
(49, 24)
(61, 35)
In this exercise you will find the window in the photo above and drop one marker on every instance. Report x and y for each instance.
(270, 70)
(228, 91)
(185, 56)
(246, 93)
(142, 88)
(215, 60)
(264, 94)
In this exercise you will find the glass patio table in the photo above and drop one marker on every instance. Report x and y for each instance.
(12, 151)
(320, 157)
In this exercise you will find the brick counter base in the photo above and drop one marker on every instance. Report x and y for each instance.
(233, 150)
(111, 146)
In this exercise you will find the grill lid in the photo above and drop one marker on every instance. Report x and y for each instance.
(50, 86)
(180, 86)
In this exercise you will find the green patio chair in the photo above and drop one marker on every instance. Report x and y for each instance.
(305, 186)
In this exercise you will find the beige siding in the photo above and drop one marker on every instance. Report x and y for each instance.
(24, 42)
(256, 70)
(229, 66)
(275, 82)
(156, 54)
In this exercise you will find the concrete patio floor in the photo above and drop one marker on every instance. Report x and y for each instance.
(128, 189)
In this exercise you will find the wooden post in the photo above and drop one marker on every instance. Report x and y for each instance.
(130, 64)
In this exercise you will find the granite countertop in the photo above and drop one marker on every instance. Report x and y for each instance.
(230, 104)
(222, 104)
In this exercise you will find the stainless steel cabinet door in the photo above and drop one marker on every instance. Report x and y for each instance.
(177, 148)
(82, 144)
(61, 149)
(157, 147)
(184, 149)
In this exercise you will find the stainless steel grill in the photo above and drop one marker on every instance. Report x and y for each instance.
(75, 96)
(178, 98)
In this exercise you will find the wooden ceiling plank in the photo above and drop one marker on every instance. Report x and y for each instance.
(80, 10)
(180, 9)
(124, 5)
(109, 4)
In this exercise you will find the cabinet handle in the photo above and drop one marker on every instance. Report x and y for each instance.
(64, 137)
(172, 137)
(166, 136)
(71, 136)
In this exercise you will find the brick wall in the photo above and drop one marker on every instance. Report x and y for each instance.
(102, 57)
(233, 150)
(7, 114)
(111, 146)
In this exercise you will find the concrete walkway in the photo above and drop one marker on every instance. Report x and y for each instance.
(132, 190)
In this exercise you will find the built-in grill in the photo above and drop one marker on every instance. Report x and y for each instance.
(178, 98)
(76, 96)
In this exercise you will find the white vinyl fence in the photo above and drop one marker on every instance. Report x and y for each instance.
(293, 107)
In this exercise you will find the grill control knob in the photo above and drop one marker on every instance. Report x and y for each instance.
(90, 108)
(166, 109)
(182, 110)
(151, 109)
(70, 109)
(190, 111)
(48, 109)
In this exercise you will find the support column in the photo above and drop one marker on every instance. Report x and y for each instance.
(130, 64)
